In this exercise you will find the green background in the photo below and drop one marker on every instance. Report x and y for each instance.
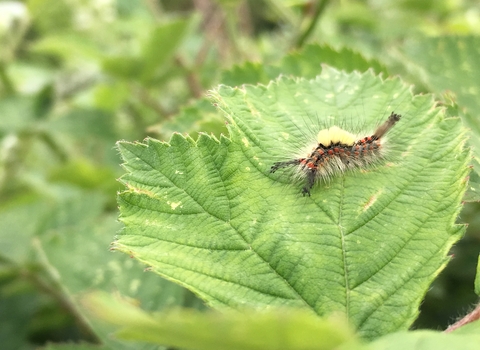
(77, 76)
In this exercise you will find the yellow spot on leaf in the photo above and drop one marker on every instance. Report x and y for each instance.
(174, 205)
(371, 201)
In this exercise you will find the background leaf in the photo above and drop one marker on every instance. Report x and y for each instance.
(160, 47)
(449, 64)
(189, 329)
(429, 340)
(306, 63)
(56, 251)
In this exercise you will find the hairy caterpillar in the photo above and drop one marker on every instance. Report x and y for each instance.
(338, 150)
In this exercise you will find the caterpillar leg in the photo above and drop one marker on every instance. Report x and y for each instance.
(279, 165)
(310, 182)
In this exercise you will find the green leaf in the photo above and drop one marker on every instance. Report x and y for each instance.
(209, 215)
(68, 45)
(451, 64)
(85, 123)
(127, 68)
(247, 73)
(473, 190)
(427, 340)
(64, 242)
(111, 96)
(51, 15)
(199, 116)
(83, 173)
(306, 63)
(18, 113)
(189, 329)
(163, 42)
(20, 220)
(17, 308)
(454, 110)
(75, 242)
(74, 346)
(157, 53)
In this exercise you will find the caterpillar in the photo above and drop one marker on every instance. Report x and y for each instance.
(337, 151)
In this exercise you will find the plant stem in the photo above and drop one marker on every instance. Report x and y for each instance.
(146, 98)
(54, 146)
(53, 287)
(283, 12)
(472, 316)
(231, 23)
(193, 81)
(321, 5)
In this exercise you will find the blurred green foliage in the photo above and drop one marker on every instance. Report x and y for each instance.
(78, 75)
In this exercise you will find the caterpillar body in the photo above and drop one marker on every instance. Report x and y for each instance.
(338, 150)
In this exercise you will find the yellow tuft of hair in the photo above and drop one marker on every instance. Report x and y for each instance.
(334, 135)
